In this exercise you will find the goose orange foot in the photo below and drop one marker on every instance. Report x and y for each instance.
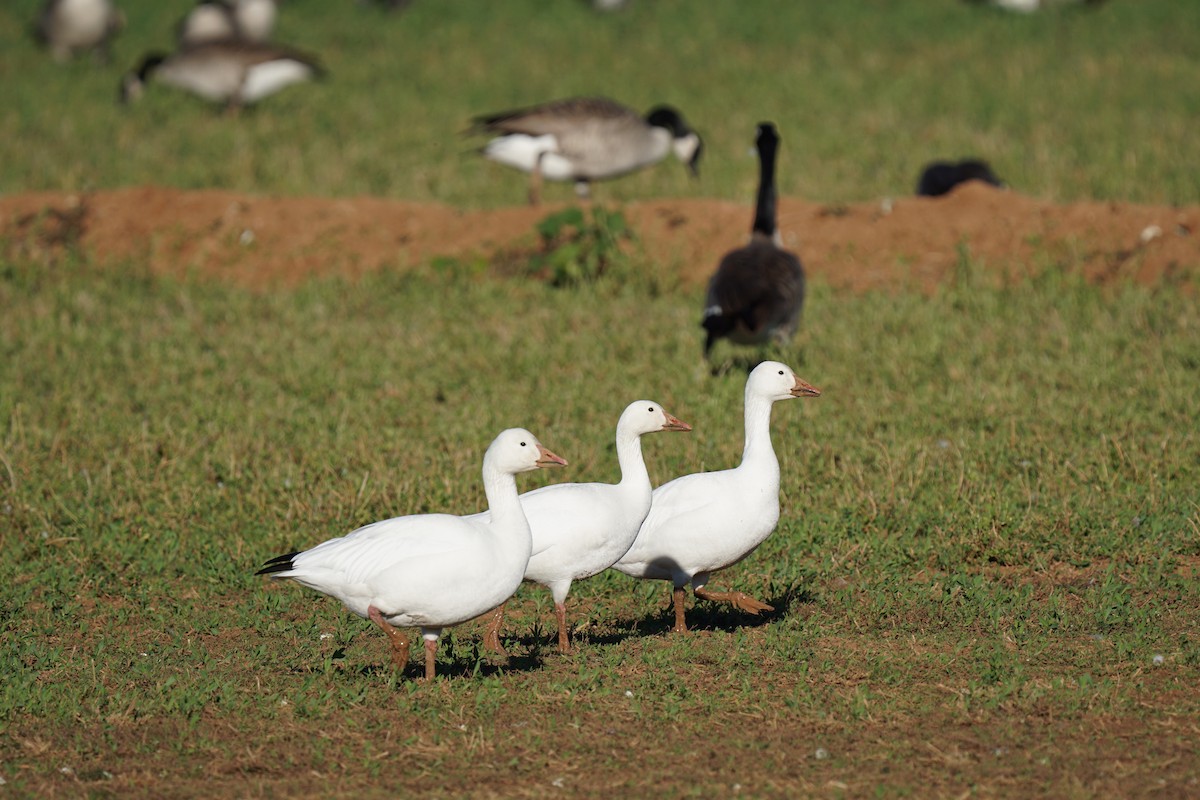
(739, 600)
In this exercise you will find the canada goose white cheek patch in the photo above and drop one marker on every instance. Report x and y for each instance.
(268, 78)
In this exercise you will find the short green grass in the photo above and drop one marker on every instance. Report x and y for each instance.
(986, 574)
(1067, 104)
(988, 551)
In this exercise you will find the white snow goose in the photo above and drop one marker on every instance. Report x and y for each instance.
(230, 71)
(758, 290)
(430, 570)
(707, 521)
(584, 139)
(580, 529)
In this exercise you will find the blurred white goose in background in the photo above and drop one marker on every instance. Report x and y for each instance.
(214, 20)
(585, 139)
(707, 521)
(232, 72)
(71, 27)
(757, 292)
(580, 529)
(430, 570)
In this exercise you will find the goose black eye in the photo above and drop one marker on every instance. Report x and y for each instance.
(523, 444)
(650, 409)
(780, 372)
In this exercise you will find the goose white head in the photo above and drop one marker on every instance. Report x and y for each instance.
(776, 381)
(647, 416)
(517, 450)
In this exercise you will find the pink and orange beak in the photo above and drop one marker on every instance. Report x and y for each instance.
(805, 389)
(675, 424)
(548, 459)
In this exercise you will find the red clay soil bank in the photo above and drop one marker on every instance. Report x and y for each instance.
(266, 241)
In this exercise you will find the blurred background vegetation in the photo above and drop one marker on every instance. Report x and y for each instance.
(1067, 104)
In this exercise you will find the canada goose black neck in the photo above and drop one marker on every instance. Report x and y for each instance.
(764, 211)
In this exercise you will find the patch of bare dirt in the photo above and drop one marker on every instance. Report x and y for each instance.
(265, 241)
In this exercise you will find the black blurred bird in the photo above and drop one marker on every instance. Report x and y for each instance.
(941, 177)
(758, 290)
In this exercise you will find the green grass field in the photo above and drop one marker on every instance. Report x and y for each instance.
(987, 573)
(1067, 104)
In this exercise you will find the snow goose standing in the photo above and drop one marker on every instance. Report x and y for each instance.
(69, 27)
(583, 139)
(430, 570)
(580, 529)
(707, 521)
(758, 290)
(229, 71)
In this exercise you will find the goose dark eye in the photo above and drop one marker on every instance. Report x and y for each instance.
(650, 409)
(780, 372)
(523, 444)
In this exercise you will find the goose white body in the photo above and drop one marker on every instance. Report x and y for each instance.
(430, 570)
(270, 77)
(426, 571)
(708, 521)
(581, 529)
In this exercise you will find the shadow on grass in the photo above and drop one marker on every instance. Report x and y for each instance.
(708, 616)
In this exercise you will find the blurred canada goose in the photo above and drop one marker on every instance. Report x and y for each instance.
(758, 290)
(940, 177)
(232, 72)
(585, 139)
(69, 27)
(213, 20)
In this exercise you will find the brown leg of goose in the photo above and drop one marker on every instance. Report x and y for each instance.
(738, 600)
(491, 639)
(399, 640)
(430, 658)
(564, 638)
(677, 597)
(535, 182)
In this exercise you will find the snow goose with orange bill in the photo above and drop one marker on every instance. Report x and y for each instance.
(580, 529)
(430, 570)
(707, 521)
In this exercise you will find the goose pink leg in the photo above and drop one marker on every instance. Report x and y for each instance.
(739, 600)
(399, 640)
(564, 639)
(677, 598)
(430, 659)
(491, 639)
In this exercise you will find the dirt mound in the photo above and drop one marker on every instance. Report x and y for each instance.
(264, 241)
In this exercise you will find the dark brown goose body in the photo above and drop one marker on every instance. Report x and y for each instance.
(757, 292)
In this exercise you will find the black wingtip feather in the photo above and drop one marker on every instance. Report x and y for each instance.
(281, 563)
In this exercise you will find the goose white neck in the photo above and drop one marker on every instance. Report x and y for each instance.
(758, 449)
(503, 502)
(629, 457)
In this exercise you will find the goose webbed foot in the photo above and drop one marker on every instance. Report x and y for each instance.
(739, 600)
